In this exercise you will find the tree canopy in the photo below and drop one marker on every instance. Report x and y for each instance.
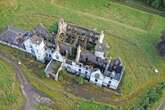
(155, 3)
(161, 45)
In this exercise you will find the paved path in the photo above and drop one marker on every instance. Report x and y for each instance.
(32, 96)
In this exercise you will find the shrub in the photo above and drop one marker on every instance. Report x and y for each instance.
(80, 80)
(155, 3)
(54, 28)
(150, 97)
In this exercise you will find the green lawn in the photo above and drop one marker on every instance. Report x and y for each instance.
(132, 34)
(10, 93)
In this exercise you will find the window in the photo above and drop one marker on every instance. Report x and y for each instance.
(19, 34)
(86, 68)
(97, 75)
(96, 80)
(69, 62)
(86, 59)
(80, 65)
(57, 56)
(32, 51)
(97, 58)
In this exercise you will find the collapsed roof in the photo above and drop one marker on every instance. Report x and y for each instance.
(76, 35)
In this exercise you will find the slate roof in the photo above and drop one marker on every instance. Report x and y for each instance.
(41, 30)
(14, 36)
(87, 56)
(117, 67)
(64, 47)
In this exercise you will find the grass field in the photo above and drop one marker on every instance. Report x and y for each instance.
(131, 33)
(10, 93)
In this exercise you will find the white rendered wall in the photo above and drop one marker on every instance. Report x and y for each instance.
(99, 54)
(38, 49)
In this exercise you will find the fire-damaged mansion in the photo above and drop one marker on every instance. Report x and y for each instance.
(78, 50)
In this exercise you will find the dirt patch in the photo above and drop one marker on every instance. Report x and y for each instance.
(88, 90)
(32, 95)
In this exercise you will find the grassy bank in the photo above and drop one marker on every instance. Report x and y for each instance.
(10, 93)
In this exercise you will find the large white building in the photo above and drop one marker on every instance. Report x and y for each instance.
(36, 46)
(102, 72)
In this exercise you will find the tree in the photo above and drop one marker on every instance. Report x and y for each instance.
(155, 3)
(161, 45)
(163, 36)
(80, 80)
(54, 28)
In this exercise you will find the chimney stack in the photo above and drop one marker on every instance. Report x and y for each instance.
(57, 47)
(101, 37)
(78, 54)
(62, 26)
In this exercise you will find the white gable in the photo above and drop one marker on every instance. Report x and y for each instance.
(114, 84)
(97, 77)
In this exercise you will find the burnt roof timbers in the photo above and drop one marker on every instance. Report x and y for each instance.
(91, 59)
(82, 41)
(80, 36)
(70, 39)
(101, 64)
(115, 69)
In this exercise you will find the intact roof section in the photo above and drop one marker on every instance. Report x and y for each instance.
(41, 30)
(14, 36)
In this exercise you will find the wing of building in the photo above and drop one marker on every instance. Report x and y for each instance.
(79, 50)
